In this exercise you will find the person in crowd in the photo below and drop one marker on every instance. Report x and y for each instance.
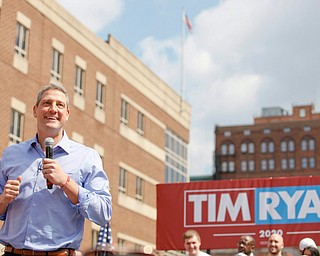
(306, 242)
(310, 251)
(44, 221)
(246, 245)
(275, 245)
(192, 243)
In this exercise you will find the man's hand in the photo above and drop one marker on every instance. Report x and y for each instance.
(11, 191)
(52, 171)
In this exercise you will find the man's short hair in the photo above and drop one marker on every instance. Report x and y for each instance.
(190, 233)
(53, 86)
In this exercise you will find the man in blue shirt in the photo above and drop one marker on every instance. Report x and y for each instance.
(50, 222)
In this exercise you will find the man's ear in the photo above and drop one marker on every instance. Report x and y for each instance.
(68, 111)
(34, 110)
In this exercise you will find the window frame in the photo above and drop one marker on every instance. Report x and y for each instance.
(123, 180)
(79, 80)
(139, 188)
(56, 64)
(22, 40)
(16, 126)
(100, 95)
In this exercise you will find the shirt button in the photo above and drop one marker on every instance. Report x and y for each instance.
(34, 204)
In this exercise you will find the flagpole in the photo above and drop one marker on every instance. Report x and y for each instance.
(182, 81)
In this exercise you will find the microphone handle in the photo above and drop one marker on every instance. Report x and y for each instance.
(49, 154)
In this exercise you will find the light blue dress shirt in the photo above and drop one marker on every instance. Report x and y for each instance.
(45, 219)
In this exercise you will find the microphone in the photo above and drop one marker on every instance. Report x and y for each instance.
(48, 143)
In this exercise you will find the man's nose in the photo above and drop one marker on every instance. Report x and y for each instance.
(53, 107)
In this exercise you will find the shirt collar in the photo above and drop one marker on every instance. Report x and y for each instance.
(63, 144)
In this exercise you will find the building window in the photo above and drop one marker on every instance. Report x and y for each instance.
(283, 146)
(22, 38)
(247, 165)
(304, 145)
(271, 147)
(232, 166)
(224, 150)
(246, 132)
(16, 127)
(308, 144)
(286, 129)
(122, 244)
(267, 146)
(291, 145)
(251, 148)
(227, 149)
(124, 111)
(308, 162)
(267, 131)
(100, 92)
(292, 163)
(139, 188)
(247, 147)
(224, 167)
(122, 180)
(251, 165)
(176, 161)
(263, 147)
(79, 81)
(307, 128)
(312, 162)
(288, 163)
(56, 65)
(271, 164)
(227, 133)
(243, 148)
(267, 164)
(304, 163)
(231, 149)
(140, 124)
(244, 166)
(287, 145)
(311, 144)
(263, 165)
(284, 164)
(302, 113)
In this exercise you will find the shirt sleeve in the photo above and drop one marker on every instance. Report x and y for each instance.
(94, 193)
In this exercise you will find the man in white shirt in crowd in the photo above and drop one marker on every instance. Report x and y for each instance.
(192, 243)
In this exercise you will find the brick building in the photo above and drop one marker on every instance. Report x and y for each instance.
(277, 144)
(118, 106)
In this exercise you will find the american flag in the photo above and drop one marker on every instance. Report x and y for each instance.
(104, 239)
(187, 22)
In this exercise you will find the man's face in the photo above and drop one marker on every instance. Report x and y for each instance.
(275, 244)
(52, 111)
(244, 245)
(192, 245)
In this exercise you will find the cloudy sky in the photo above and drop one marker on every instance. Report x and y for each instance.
(241, 56)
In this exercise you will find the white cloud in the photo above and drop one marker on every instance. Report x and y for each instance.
(243, 55)
(95, 14)
(158, 55)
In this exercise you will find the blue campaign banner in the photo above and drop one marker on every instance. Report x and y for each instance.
(287, 205)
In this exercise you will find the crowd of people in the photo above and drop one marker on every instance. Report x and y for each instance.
(246, 245)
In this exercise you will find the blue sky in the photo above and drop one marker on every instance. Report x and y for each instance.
(242, 55)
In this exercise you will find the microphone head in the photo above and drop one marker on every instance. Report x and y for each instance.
(48, 142)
